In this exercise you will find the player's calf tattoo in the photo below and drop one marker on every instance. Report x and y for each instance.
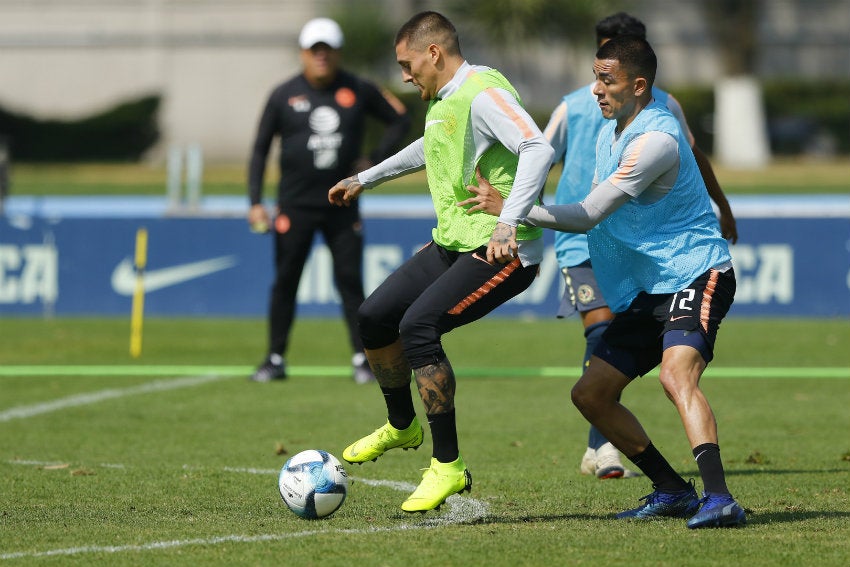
(436, 383)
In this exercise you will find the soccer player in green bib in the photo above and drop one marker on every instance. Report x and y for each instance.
(475, 125)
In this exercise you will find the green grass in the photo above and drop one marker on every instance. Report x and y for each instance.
(781, 177)
(742, 342)
(186, 476)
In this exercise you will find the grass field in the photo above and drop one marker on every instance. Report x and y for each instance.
(781, 177)
(113, 461)
(171, 459)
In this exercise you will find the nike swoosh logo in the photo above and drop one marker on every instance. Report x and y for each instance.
(124, 274)
(677, 318)
(432, 122)
(477, 257)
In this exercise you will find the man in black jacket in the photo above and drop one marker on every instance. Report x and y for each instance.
(319, 116)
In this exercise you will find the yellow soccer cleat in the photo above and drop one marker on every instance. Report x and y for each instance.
(383, 439)
(439, 482)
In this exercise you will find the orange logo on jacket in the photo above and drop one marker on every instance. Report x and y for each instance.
(345, 97)
(282, 224)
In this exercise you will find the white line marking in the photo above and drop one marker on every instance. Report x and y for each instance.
(35, 463)
(22, 412)
(462, 509)
(249, 470)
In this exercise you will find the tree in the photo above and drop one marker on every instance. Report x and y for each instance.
(368, 37)
(740, 125)
(509, 24)
(515, 29)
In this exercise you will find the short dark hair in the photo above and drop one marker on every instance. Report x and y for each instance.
(620, 23)
(426, 28)
(635, 55)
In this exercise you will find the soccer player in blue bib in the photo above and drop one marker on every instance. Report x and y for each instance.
(572, 130)
(664, 269)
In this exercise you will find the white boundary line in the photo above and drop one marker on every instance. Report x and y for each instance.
(23, 412)
(462, 509)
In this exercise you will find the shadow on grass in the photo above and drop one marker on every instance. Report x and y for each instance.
(695, 474)
(790, 516)
(753, 518)
(541, 519)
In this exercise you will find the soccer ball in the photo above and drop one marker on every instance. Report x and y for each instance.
(313, 484)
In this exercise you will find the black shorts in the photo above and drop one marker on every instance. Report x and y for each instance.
(581, 292)
(435, 291)
(636, 338)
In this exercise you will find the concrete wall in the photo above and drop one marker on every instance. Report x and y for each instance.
(215, 61)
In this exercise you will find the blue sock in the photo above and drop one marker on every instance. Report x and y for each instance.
(592, 334)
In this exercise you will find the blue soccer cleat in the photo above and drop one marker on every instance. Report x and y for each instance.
(718, 511)
(659, 504)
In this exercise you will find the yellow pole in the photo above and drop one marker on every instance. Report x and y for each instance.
(137, 315)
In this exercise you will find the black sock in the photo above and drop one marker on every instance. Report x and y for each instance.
(400, 412)
(658, 470)
(710, 466)
(444, 436)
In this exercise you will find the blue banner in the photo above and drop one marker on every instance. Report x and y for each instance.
(83, 265)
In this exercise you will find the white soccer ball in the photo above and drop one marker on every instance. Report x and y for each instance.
(313, 484)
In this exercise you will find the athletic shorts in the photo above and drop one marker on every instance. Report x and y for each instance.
(581, 292)
(433, 292)
(636, 338)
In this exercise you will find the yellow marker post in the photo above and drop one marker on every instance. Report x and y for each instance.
(137, 314)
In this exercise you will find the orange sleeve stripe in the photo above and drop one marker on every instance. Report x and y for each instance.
(527, 131)
(557, 118)
(627, 167)
(485, 288)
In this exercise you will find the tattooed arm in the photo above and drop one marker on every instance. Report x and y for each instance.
(345, 191)
(502, 246)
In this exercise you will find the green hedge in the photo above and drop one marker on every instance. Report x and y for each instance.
(122, 133)
(800, 114)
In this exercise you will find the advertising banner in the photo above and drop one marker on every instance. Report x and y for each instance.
(84, 265)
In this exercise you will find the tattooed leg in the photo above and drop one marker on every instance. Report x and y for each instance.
(436, 383)
(389, 365)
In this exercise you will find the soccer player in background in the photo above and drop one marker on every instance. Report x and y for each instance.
(572, 130)
(474, 118)
(319, 117)
(665, 270)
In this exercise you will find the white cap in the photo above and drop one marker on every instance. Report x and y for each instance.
(320, 30)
